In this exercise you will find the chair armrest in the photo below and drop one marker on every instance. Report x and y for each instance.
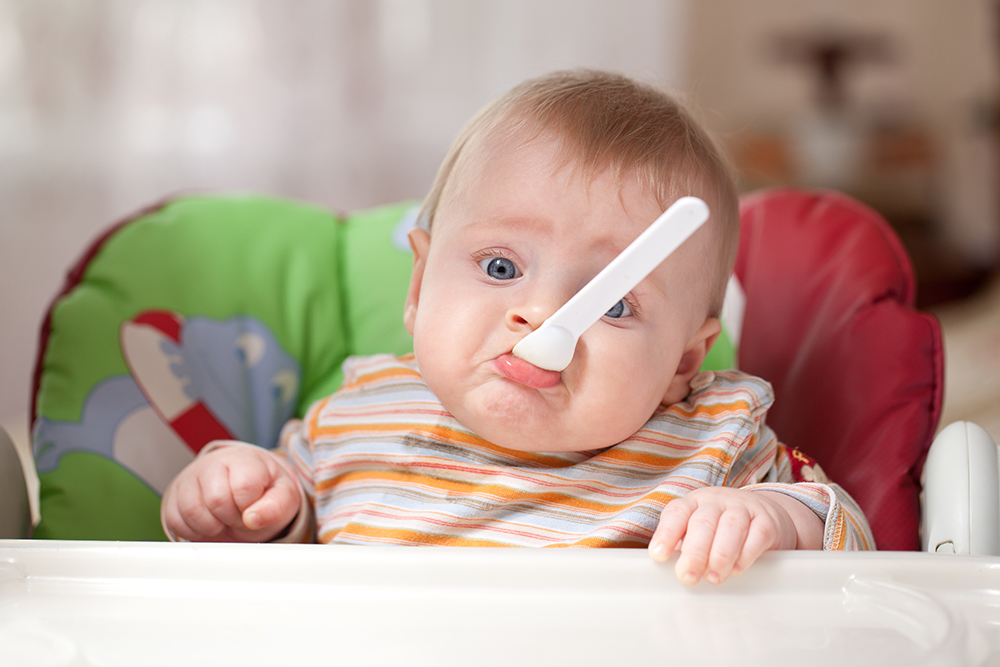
(961, 503)
(15, 510)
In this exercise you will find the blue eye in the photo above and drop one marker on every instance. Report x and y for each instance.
(620, 309)
(500, 268)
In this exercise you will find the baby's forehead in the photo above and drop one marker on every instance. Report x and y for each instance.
(506, 140)
(475, 164)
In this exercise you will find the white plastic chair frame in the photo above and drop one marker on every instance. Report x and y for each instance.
(961, 499)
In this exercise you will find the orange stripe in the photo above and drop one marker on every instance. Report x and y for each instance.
(392, 373)
(601, 542)
(712, 410)
(656, 462)
(547, 499)
(440, 519)
(408, 536)
(375, 533)
(441, 434)
(419, 514)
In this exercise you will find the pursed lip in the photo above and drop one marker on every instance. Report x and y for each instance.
(522, 372)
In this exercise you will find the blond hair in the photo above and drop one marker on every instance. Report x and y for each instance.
(608, 120)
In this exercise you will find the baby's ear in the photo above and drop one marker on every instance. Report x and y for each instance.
(690, 364)
(420, 242)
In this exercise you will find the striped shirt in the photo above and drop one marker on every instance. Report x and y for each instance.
(381, 461)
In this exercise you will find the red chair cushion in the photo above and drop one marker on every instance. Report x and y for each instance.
(857, 371)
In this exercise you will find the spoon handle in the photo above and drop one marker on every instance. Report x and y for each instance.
(634, 263)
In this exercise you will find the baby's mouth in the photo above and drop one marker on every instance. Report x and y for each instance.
(522, 372)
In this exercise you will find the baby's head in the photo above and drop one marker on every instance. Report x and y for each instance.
(542, 189)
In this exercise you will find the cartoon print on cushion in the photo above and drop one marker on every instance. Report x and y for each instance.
(193, 380)
(115, 412)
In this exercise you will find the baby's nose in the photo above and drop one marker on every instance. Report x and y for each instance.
(531, 314)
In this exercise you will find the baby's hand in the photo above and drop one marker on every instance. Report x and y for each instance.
(232, 494)
(722, 531)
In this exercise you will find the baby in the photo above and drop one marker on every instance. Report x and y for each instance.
(463, 443)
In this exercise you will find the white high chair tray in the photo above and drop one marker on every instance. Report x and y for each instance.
(114, 604)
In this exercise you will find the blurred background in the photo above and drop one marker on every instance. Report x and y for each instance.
(109, 105)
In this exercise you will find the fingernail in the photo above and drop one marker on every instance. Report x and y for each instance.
(252, 520)
(689, 578)
(713, 577)
(658, 552)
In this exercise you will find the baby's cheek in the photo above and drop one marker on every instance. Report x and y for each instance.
(613, 411)
(636, 385)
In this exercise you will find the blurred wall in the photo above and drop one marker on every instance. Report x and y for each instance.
(109, 105)
(929, 104)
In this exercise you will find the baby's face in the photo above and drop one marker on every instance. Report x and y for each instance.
(514, 237)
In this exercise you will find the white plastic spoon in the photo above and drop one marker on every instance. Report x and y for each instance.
(552, 345)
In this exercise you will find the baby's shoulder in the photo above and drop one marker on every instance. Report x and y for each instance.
(738, 390)
(378, 380)
(377, 389)
(379, 370)
(721, 413)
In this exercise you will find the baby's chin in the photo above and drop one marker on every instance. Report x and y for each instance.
(519, 418)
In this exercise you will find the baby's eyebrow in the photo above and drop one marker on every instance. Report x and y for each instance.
(604, 243)
(543, 225)
(519, 222)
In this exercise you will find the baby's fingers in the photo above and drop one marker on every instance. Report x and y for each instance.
(698, 540)
(671, 528)
(761, 535)
(728, 544)
(276, 508)
(188, 515)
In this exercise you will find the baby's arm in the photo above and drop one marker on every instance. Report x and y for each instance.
(235, 493)
(722, 531)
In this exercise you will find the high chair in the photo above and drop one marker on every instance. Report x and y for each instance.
(857, 372)
(209, 317)
(221, 317)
